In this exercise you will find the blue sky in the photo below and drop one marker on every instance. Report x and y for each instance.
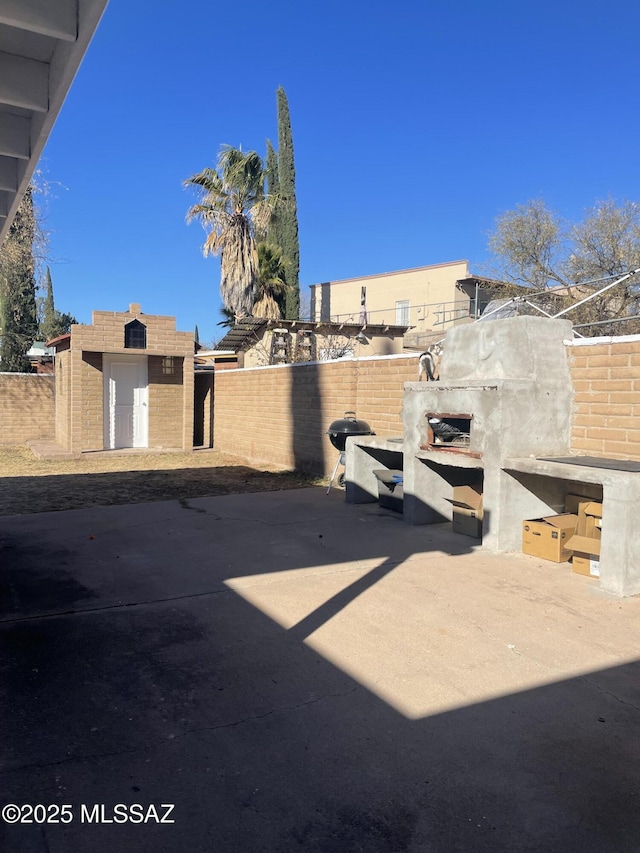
(414, 126)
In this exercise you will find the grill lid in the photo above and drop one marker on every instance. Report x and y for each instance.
(349, 425)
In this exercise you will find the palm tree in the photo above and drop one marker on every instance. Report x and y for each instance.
(228, 318)
(272, 287)
(232, 206)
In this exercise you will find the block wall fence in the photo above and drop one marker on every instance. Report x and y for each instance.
(26, 407)
(279, 415)
(606, 409)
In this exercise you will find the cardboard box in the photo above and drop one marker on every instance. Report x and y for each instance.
(586, 564)
(548, 538)
(468, 525)
(467, 511)
(586, 542)
(572, 503)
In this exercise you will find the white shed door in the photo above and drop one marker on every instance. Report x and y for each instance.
(128, 404)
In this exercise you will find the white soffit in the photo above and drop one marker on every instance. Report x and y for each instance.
(42, 43)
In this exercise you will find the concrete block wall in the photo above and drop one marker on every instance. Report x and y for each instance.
(251, 414)
(166, 396)
(26, 407)
(605, 373)
(312, 389)
(63, 398)
(380, 392)
(77, 400)
(92, 413)
(188, 396)
(79, 420)
(106, 333)
(279, 415)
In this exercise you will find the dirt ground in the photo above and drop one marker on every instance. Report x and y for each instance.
(31, 485)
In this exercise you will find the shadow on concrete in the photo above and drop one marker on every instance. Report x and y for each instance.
(167, 686)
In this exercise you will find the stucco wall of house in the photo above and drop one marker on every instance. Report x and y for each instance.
(421, 286)
(26, 407)
(327, 346)
(606, 410)
(279, 415)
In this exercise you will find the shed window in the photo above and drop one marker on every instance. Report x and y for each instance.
(135, 335)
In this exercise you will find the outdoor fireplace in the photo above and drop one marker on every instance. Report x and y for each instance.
(504, 392)
(449, 433)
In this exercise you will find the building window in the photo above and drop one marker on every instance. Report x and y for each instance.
(135, 335)
(168, 367)
(402, 313)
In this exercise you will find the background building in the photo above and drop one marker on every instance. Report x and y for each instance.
(429, 300)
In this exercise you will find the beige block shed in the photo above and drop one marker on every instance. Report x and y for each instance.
(126, 380)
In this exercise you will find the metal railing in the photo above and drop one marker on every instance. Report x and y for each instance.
(421, 318)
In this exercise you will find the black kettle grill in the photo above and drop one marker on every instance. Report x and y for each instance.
(338, 432)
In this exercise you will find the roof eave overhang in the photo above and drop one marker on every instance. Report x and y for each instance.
(32, 91)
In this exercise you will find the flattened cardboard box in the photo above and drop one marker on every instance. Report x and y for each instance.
(467, 511)
(548, 537)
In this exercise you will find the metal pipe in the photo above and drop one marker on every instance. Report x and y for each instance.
(559, 287)
(597, 293)
(533, 305)
(607, 322)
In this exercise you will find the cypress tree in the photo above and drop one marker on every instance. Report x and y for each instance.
(196, 337)
(48, 309)
(53, 322)
(273, 189)
(273, 181)
(18, 320)
(287, 222)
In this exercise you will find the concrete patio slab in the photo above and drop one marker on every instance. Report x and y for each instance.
(49, 450)
(294, 673)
